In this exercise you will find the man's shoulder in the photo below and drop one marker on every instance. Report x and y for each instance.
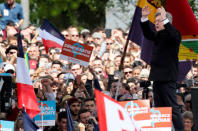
(3, 5)
(17, 5)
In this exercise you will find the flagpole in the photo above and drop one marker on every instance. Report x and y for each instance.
(120, 74)
(68, 77)
(42, 114)
(193, 82)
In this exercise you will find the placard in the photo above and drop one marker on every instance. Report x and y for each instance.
(76, 52)
(47, 115)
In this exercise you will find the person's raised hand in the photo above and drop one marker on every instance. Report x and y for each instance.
(46, 82)
(146, 11)
(162, 12)
(81, 127)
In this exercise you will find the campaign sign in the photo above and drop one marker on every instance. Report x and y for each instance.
(136, 107)
(47, 115)
(149, 119)
(76, 52)
(6, 125)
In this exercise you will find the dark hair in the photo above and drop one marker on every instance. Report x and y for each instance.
(10, 23)
(131, 80)
(126, 86)
(57, 62)
(47, 77)
(88, 99)
(62, 115)
(61, 74)
(188, 115)
(44, 56)
(10, 48)
(82, 111)
(137, 63)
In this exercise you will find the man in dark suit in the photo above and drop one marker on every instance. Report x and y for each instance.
(164, 61)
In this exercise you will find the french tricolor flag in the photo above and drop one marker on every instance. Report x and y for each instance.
(51, 37)
(25, 91)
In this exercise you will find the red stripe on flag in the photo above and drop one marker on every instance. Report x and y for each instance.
(50, 44)
(183, 18)
(102, 113)
(27, 97)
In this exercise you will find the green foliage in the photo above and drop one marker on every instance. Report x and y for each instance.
(192, 4)
(82, 13)
(63, 13)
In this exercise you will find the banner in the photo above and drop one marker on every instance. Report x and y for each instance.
(6, 125)
(76, 52)
(47, 115)
(112, 116)
(136, 107)
(149, 118)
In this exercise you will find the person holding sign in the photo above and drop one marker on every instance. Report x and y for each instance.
(164, 61)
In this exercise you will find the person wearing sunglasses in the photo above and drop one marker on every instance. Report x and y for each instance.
(73, 33)
(128, 72)
(11, 54)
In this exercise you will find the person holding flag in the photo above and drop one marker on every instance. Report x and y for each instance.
(25, 90)
(164, 61)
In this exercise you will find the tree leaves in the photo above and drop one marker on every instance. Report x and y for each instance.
(64, 13)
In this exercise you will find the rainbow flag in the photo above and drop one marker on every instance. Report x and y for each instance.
(189, 48)
(27, 60)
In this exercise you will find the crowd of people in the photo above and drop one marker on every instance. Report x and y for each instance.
(59, 80)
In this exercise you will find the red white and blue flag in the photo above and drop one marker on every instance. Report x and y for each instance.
(112, 116)
(25, 91)
(28, 123)
(51, 37)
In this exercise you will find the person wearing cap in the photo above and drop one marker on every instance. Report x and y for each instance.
(11, 54)
(9, 68)
(144, 74)
(75, 106)
(83, 34)
(98, 39)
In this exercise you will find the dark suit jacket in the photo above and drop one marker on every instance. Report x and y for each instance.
(164, 60)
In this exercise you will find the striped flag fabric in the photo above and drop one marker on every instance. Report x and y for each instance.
(112, 116)
(70, 126)
(27, 60)
(28, 123)
(180, 21)
(25, 91)
(51, 37)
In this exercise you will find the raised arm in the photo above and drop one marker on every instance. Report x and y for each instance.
(148, 33)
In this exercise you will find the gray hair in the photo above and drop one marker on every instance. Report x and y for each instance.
(168, 16)
(188, 115)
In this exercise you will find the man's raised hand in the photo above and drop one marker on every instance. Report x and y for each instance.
(145, 12)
